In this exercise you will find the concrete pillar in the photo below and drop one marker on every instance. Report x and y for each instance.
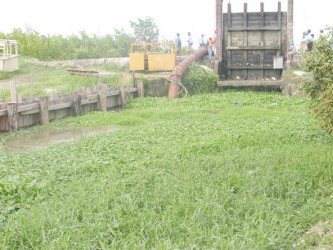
(290, 24)
(218, 43)
(218, 34)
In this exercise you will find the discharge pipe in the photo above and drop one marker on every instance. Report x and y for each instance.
(179, 70)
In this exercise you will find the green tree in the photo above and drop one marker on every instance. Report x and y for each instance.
(320, 87)
(145, 30)
(122, 42)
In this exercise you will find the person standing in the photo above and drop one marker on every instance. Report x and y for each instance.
(178, 44)
(322, 35)
(306, 40)
(202, 41)
(189, 43)
(292, 52)
(310, 43)
(210, 48)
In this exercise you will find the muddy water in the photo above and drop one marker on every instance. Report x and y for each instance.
(46, 138)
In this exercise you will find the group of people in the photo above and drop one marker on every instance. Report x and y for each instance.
(203, 42)
(308, 39)
(306, 43)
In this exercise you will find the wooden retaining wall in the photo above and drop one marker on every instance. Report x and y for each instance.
(14, 116)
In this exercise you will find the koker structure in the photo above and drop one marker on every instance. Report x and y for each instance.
(249, 46)
(252, 45)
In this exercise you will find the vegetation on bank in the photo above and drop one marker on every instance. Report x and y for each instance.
(199, 79)
(35, 80)
(320, 86)
(231, 170)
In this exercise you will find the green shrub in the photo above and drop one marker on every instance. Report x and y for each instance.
(320, 87)
(198, 79)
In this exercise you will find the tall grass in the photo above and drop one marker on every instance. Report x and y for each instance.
(233, 170)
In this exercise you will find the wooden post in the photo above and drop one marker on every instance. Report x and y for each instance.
(12, 108)
(123, 96)
(44, 110)
(102, 101)
(3, 119)
(141, 91)
(76, 107)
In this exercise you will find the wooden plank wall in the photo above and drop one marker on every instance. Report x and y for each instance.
(14, 116)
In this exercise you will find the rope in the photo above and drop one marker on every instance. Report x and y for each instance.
(180, 84)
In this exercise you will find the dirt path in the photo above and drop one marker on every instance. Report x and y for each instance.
(5, 84)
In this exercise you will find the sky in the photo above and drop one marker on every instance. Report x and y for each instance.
(100, 17)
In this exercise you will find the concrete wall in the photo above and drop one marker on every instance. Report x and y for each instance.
(121, 61)
(9, 63)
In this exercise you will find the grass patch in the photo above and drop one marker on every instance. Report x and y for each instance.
(231, 170)
(35, 79)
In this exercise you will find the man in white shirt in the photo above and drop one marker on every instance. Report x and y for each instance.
(189, 43)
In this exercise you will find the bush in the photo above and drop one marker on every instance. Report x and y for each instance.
(198, 80)
(320, 87)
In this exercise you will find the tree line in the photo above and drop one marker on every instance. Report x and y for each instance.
(82, 46)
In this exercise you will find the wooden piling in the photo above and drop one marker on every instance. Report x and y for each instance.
(102, 100)
(14, 116)
(44, 110)
(140, 88)
(123, 96)
(12, 113)
(76, 107)
(3, 118)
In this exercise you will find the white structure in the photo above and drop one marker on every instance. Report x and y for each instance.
(8, 55)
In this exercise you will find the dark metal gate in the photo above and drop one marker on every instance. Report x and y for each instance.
(254, 44)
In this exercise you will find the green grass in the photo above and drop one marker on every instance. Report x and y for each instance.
(232, 170)
(36, 80)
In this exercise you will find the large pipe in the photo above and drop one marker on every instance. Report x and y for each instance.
(179, 70)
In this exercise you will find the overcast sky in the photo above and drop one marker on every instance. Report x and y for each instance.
(101, 17)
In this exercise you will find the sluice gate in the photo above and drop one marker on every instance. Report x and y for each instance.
(254, 44)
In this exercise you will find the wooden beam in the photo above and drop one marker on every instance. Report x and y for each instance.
(60, 106)
(28, 107)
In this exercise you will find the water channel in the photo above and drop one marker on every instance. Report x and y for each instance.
(45, 138)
